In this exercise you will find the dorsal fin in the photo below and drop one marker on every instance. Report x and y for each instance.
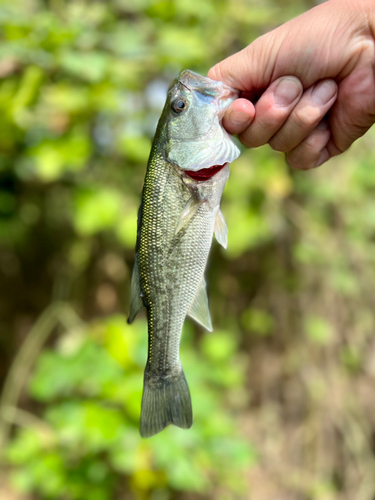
(136, 302)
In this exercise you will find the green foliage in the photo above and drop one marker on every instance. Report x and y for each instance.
(257, 321)
(284, 382)
(91, 384)
(318, 330)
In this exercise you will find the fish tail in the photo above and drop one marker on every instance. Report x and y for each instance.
(166, 400)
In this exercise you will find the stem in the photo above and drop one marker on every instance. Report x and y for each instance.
(59, 312)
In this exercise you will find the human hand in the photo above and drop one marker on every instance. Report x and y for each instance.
(316, 82)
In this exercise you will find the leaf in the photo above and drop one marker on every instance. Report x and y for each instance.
(319, 330)
(91, 66)
(96, 209)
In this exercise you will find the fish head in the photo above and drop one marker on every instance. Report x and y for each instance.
(194, 136)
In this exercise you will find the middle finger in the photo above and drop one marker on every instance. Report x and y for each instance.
(272, 110)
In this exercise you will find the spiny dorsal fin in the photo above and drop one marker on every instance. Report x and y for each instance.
(136, 302)
(199, 307)
(189, 211)
(221, 230)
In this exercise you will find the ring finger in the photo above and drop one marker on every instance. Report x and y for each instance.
(312, 151)
(306, 115)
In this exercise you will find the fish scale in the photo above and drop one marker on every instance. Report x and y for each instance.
(176, 222)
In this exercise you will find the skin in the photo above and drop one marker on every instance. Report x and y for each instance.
(308, 87)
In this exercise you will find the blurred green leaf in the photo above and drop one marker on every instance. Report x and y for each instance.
(90, 66)
(54, 157)
(96, 209)
(60, 374)
(219, 347)
(136, 149)
(319, 330)
(257, 321)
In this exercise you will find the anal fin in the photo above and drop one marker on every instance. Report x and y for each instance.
(199, 308)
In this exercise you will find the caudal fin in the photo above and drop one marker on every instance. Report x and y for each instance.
(166, 400)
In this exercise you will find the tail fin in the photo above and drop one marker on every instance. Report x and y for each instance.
(166, 400)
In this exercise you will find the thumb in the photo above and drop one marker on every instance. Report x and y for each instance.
(251, 69)
(316, 45)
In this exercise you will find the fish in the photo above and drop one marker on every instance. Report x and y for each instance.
(178, 215)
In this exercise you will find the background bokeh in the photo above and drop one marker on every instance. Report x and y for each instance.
(284, 389)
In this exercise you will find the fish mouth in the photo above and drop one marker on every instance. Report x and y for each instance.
(204, 174)
(223, 94)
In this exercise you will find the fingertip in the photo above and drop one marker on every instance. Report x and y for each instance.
(313, 151)
(324, 156)
(333, 149)
(238, 116)
(214, 73)
(286, 90)
(324, 92)
(306, 163)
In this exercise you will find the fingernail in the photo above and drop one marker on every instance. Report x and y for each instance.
(323, 92)
(287, 91)
(239, 118)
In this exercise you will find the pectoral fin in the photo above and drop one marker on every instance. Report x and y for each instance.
(221, 230)
(136, 302)
(199, 308)
(189, 211)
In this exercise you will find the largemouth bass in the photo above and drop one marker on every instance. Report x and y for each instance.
(179, 213)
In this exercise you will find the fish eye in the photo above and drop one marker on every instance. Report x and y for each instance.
(179, 105)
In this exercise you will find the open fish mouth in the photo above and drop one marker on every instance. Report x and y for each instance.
(205, 174)
(206, 86)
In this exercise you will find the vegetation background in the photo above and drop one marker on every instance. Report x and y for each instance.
(284, 389)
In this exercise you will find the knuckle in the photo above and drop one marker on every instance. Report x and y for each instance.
(312, 142)
(267, 123)
(280, 145)
(251, 142)
(292, 162)
(300, 161)
(262, 131)
(245, 139)
(269, 117)
(299, 165)
(307, 117)
(252, 139)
